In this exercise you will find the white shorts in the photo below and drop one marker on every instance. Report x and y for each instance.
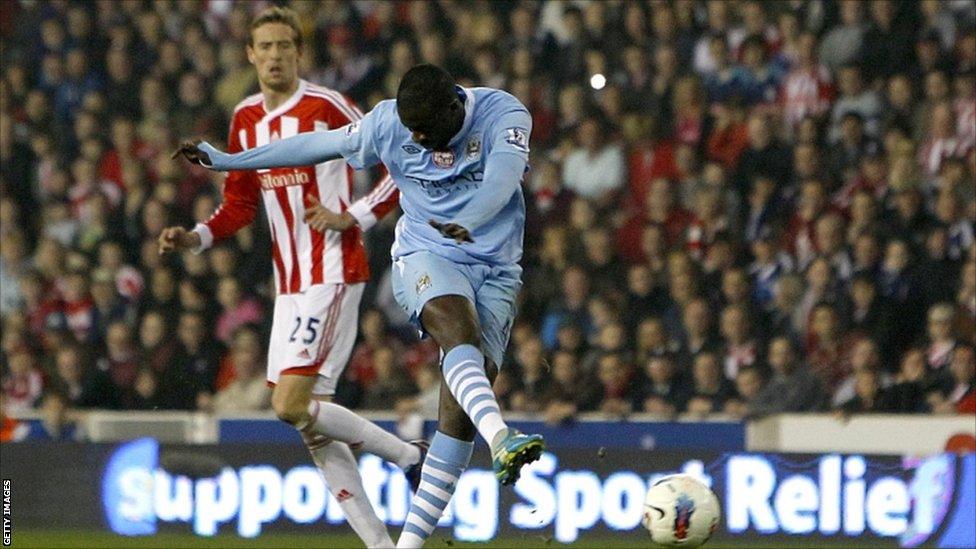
(313, 334)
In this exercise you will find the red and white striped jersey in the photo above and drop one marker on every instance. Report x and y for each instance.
(302, 256)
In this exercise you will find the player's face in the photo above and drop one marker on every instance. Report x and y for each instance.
(433, 128)
(275, 55)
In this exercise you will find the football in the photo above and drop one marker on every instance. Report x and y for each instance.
(680, 511)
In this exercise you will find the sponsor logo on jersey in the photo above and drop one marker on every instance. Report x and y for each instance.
(518, 138)
(271, 181)
(443, 159)
(411, 149)
(439, 187)
(473, 148)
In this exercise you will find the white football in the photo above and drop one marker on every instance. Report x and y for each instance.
(680, 511)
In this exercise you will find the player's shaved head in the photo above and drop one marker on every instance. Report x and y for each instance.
(423, 88)
(428, 104)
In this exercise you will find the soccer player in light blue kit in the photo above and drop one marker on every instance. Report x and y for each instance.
(457, 156)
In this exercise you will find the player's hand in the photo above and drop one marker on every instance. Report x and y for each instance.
(452, 230)
(191, 151)
(323, 219)
(177, 238)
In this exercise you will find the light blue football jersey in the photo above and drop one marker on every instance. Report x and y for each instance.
(447, 186)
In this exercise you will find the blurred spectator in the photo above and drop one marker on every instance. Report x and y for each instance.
(854, 98)
(194, 368)
(887, 44)
(864, 356)
(595, 168)
(748, 385)
(740, 347)
(391, 381)
(248, 391)
(618, 391)
(697, 322)
(710, 389)
(842, 43)
(120, 359)
(907, 394)
(793, 387)
(828, 349)
(664, 391)
(428, 383)
(23, 382)
(11, 430)
(868, 394)
(941, 340)
(765, 156)
(954, 392)
(56, 418)
(145, 391)
(652, 340)
(236, 309)
(963, 394)
(807, 89)
(13, 264)
(81, 384)
(158, 347)
(373, 330)
(570, 391)
(570, 308)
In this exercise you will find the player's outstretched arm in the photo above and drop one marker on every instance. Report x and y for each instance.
(304, 149)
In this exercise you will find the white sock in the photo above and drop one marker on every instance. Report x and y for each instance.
(464, 373)
(338, 466)
(446, 460)
(338, 423)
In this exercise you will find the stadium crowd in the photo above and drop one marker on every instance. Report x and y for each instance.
(734, 207)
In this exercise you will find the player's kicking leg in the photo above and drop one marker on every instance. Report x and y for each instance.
(451, 321)
(469, 375)
(304, 385)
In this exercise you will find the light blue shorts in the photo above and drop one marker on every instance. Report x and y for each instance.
(419, 277)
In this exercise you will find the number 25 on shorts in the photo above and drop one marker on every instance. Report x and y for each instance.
(310, 332)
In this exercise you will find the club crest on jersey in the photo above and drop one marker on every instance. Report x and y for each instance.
(423, 283)
(411, 149)
(443, 159)
(473, 149)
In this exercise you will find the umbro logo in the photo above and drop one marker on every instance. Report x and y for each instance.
(411, 149)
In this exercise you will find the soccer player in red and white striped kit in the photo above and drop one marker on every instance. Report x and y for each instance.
(319, 263)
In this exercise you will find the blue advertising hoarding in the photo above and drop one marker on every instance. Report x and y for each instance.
(258, 489)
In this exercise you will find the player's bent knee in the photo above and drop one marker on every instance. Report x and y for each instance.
(291, 415)
(292, 411)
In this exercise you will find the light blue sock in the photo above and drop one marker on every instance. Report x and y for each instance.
(445, 462)
(464, 373)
